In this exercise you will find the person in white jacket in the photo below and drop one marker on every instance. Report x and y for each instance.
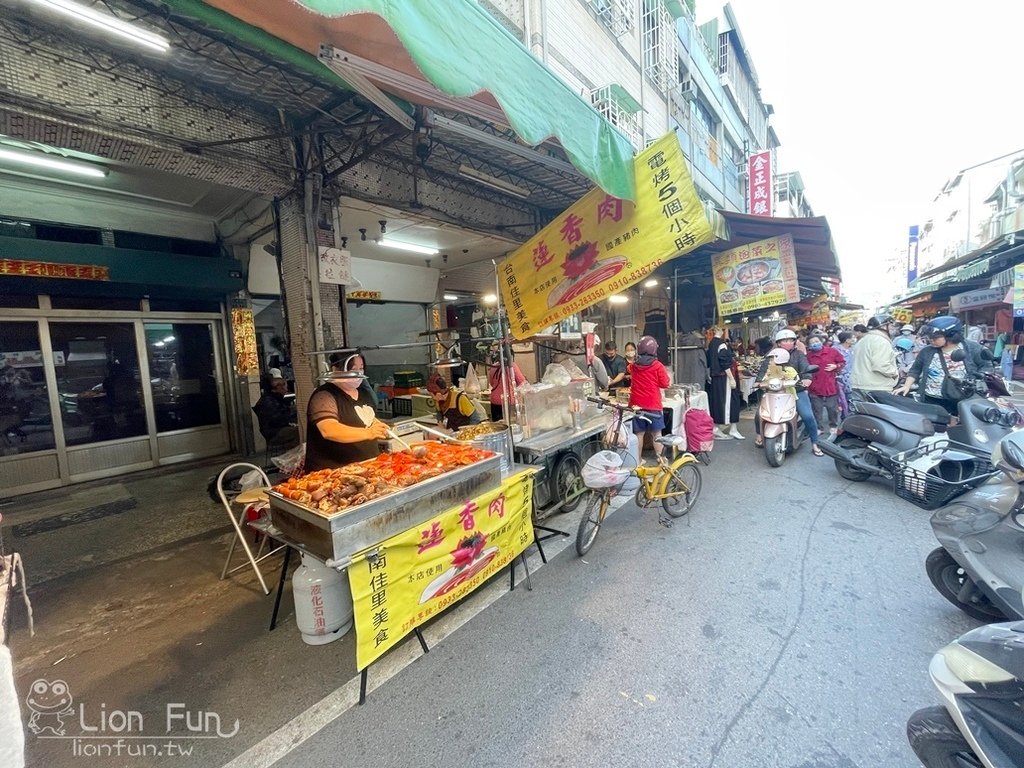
(874, 360)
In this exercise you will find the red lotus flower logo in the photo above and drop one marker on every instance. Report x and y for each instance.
(469, 549)
(580, 259)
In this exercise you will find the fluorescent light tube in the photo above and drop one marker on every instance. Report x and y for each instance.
(652, 283)
(412, 247)
(42, 160)
(108, 23)
(450, 297)
(618, 298)
(489, 298)
(493, 182)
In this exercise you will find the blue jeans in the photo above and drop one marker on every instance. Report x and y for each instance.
(803, 407)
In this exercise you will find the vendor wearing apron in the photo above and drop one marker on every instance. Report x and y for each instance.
(454, 408)
(336, 420)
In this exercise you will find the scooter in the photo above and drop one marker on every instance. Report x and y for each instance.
(981, 679)
(779, 425)
(887, 431)
(978, 567)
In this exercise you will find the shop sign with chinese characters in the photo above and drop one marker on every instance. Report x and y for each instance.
(417, 574)
(756, 276)
(602, 245)
(21, 268)
(760, 187)
(243, 330)
(1018, 290)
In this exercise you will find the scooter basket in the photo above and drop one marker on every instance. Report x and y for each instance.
(956, 469)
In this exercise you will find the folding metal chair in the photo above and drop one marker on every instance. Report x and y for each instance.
(239, 524)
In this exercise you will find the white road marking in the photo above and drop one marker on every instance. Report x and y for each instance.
(307, 724)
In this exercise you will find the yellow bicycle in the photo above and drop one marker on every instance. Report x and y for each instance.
(676, 483)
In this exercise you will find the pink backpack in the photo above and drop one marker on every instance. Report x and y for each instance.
(700, 430)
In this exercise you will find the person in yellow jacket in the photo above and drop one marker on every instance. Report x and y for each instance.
(454, 408)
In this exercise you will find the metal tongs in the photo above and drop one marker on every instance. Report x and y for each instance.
(443, 435)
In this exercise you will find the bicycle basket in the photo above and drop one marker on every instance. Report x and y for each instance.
(933, 475)
(607, 469)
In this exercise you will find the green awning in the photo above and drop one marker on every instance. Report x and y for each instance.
(463, 50)
(623, 98)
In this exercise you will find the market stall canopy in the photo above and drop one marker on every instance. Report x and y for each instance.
(812, 242)
(1003, 246)
(429, 52)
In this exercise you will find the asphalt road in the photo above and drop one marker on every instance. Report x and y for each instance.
(789, 624)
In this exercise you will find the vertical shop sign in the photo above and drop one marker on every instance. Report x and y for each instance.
(602, 245)
(759, 167)
(335, 266)
(243, 331)
(1018, 290)
(912, 244)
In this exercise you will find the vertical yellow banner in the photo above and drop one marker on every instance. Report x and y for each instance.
(417, 574)
(601, 244)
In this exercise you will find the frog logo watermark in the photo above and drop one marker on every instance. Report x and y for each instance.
(50, 704)
(96, 731)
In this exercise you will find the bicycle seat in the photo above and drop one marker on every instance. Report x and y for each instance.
(676, 441)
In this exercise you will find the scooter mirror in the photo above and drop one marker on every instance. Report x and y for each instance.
(958, 356)
(1009, 453)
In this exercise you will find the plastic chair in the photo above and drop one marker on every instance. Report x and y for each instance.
(238, 523)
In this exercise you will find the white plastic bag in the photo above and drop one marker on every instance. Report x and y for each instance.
(604, 470)
(556, 375)
(251, 479)
(472, 382)
(618, 439)
(290, 462)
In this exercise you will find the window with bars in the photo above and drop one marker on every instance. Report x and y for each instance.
(616, 15)
(608, 100)
(659, 43)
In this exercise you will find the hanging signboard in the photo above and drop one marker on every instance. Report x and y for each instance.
(335, 266)
(902, 315)
(759, 168)
(21, 268)
(983, 297)
(755, 276)
(602, 245)
(415, 575)
(1018, 290)
(912, 246)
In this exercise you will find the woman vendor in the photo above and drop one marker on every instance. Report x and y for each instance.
(454, 408)
(341, 424)
(513, 378)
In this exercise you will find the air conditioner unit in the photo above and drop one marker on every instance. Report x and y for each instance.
(687, 90)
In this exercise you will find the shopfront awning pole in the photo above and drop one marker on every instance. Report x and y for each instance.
(506, 399)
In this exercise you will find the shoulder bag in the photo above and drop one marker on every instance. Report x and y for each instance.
(952, 389)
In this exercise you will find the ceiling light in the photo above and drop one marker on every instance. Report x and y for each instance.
(450, 297)
(619, 298)
(412, 247)
(43, 160)
(652, 283)
(108, 23)
(489, 298)
(492, 181)
(168, 339)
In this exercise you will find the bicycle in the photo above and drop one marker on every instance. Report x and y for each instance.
(675, 484)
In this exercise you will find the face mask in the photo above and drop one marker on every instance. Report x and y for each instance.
(631, 354)
(815, 347)
(350, 385)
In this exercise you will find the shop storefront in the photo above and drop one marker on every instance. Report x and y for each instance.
(98, 379)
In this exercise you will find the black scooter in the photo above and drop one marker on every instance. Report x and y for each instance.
(980, 566)
(885, 431)
(981, 679)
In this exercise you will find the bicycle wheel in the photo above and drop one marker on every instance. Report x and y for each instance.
(590, 523)
(566, 481)
(684, 478)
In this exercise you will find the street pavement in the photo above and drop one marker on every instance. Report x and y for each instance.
(787, 622)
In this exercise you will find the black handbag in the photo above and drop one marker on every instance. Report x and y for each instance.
(952, 389)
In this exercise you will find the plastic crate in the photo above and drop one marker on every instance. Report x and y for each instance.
(962, 468)
(401, 406)
(408, 379)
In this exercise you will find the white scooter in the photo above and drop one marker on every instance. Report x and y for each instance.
(780, 427)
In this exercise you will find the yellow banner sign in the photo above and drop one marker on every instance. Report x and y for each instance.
(902, 314)
(417, 574)
(755, 276)
(602, 245)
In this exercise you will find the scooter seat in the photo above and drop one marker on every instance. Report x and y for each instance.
(936, 414)
(907, 421)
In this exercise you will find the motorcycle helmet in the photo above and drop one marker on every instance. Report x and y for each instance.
(877, 321)
(648, 346)
(785, 335)
(908, 329)
(904, 344)
(947, 326)
(778, 356)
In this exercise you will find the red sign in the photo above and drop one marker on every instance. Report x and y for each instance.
(19, 268)
(759, 167)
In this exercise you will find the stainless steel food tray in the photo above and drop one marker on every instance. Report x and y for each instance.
(341, 535)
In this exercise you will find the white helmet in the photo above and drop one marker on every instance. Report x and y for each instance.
(785, 335)
(907, 329)
(778, 356)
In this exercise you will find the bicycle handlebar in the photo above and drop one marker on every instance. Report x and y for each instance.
(617, 406)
